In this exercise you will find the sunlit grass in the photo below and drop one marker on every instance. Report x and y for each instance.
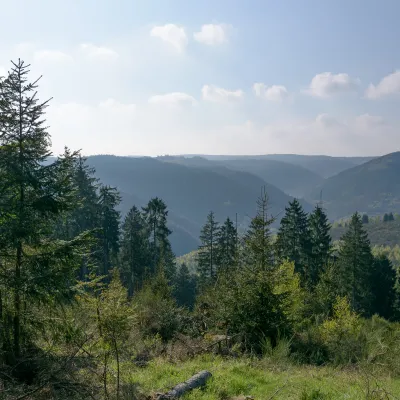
(260, 379)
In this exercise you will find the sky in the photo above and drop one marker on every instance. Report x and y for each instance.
(155, 77)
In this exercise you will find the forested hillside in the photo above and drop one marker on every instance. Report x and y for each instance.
(372, 188)
(190, 192)
(291, 179)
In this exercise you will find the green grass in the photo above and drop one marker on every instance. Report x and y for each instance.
(260, 379)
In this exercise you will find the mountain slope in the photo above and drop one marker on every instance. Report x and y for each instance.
(292, 179)
(190, 193)
(324, 166)
(373, 187)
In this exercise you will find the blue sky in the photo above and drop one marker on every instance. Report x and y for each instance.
(218, 77)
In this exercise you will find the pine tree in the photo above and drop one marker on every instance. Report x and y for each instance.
(155, 216)
(185, 287)
(258, 246)
(227, 245)
(134, 253)
(207, 260)
(355, 263)
(32, 197)
(292, 240)
(109, 218)
(365, 219)
(320, 243)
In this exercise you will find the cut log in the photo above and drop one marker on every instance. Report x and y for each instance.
(194, 382)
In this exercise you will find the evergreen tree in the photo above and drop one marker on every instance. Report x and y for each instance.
(292, 240)
(354, 266)
(207, 261)
(258, 248)
(32, 197)
(383, 281)
(155, 216)
(227, 245)
(365, 219)
(185, 287)
(320, 243)
(390, 217)
(109, 218)
(134, 251)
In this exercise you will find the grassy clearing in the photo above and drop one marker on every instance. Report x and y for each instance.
(263, 380)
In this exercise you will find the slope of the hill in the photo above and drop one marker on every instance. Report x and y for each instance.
(190, 193)
(373, 187)
(292, 179)
(324, 166)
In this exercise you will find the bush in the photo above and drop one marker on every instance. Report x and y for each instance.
(342, 334)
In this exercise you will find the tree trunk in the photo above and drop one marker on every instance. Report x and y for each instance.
(194, 382)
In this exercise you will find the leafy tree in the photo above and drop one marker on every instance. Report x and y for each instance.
(355, 264)
(134, 252)
(155, 216)
(320, 243)
(227, 245)
(32, 197)
(292, 240)
(258, 246)
(185, 287)
(207, 259)
(109, 217)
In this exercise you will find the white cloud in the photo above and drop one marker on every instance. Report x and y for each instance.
(97, 51)
(216, 94)
(390, 84)
(52, 56)
(326, 121)
(275, 93)
(171, 34)
(172, 99)
(327, 84)
(212, 34)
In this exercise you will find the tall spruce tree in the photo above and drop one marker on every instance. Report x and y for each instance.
(109, 218)
(355, 264)
(383, 282)
(207, 259)
(34, 269)
(162, 257)
(134, 252)
(258, 248)
(227, 245)
(320, 244)
(292, 240)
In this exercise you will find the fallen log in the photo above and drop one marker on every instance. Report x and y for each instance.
(194, 382)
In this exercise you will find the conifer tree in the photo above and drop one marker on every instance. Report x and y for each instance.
(185, 287)
(292, 240)
(227, 245)
(109, 218)
(134, 251)
(320, 243)
(155, 216)
(207, 260)
(383, 281)
(32, 197)
(258, 248)
(354, 266)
